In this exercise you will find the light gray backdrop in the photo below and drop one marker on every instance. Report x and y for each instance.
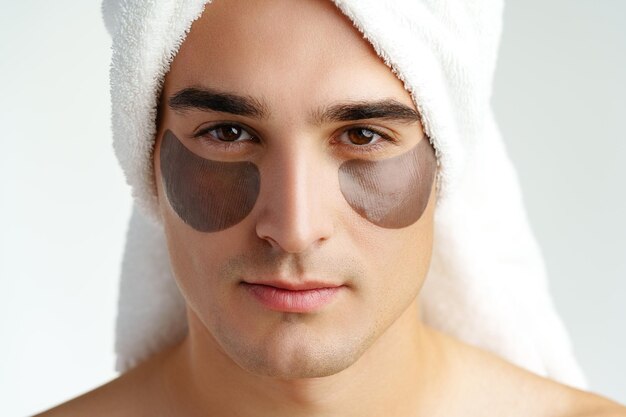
(560, 99)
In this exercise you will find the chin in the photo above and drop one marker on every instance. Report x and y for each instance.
(299, 365)
(299, 355)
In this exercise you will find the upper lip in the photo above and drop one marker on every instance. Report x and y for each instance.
(295, 286)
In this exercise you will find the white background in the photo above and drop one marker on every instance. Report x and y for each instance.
(560, 100)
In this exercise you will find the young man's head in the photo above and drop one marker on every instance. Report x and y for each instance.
(289, 155)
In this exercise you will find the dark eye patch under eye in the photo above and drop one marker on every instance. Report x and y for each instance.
(207, 195)
(213, 195)
(394, 192)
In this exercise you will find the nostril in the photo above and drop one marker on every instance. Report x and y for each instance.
(292, 238)
(270, 241)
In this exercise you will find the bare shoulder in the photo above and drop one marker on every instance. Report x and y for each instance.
(565, 401)
(491, 383)
(588, 404)
(111, 399)
(130, 394)
(552, 398)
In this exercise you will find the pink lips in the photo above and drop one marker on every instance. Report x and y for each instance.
(291, 298)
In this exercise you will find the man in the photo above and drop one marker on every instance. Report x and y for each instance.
(301, 281)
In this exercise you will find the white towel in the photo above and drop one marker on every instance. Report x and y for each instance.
(487, 282)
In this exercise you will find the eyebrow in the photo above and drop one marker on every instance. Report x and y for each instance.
(387, 109)
(207, 99)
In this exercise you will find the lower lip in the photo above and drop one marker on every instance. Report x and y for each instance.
(303, 301)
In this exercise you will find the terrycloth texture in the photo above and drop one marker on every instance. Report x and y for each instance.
(487, 282)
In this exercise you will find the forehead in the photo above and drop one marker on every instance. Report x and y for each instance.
(294, 54)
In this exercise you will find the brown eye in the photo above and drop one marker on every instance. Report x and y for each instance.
(228, 133)
(362, 136)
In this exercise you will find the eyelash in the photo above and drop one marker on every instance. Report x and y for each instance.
(211, 140)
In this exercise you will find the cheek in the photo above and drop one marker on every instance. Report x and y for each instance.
(207, 195)
(392, 193)
(401, 255)
(399, 259)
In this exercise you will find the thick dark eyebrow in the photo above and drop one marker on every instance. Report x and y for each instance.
(206, 99)
(388, 109)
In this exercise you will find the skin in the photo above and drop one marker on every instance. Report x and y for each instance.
(367, 353)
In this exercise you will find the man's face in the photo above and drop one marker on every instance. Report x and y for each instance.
(308, 115)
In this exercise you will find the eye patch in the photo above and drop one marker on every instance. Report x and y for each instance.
(207, 195)
(391, 193)
(213, 195)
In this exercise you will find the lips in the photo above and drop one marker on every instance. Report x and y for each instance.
(289, 297)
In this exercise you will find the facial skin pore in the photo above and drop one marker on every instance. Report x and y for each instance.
(313, 121)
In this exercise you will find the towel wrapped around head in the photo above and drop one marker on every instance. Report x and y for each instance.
(487, 283)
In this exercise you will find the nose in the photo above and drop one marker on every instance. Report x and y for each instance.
(295, 201)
